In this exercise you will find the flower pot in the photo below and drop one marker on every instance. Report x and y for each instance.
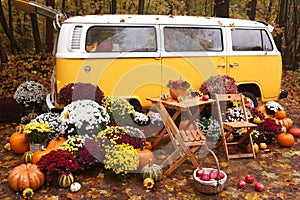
(35, 147)
(174, 93)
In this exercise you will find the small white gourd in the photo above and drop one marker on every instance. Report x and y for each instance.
(75, 187)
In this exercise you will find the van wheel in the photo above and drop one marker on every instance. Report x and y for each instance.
(253, 99)
(136, 104)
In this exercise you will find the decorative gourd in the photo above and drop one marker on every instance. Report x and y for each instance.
(28, 193)
(144, 156)
(295, 131)
(287, 122)
(280, 114)
(26, 176)
(65, 180)
(75, 187)
(27, 157)
(263, 145)
(230, 138)
(255, 147)
(18, 142)
(148, 183)
(55, 143)
(38, 154)
(148, 145)
(152, 171)
(183, 124)
(285, 139)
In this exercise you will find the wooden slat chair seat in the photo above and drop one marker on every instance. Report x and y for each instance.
(185, 142)
(228, 128)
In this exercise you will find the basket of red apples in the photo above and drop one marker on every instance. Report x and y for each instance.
(210, 180)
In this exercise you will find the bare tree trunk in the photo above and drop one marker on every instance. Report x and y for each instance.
(14, 46)
(251, 12)
(280, 22)
(36, 33)
(49, 29)
(113, 6)
(141, 7)
(222, 8)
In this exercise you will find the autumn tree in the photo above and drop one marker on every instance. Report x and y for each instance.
(222, 8)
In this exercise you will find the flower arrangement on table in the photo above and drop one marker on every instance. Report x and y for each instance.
(79, 91)
(178, 88)
(30, 94)
(37, 133)
(56, 163)
(219, 84)
(50, 118)
(119, 110)
(84, 117)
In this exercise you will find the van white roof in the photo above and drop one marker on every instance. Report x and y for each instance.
(162, 19)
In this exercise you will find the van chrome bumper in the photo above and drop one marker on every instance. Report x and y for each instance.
(283, 94)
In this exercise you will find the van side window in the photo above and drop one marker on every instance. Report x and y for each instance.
(250, 40)
(121, 39)
(193, 39)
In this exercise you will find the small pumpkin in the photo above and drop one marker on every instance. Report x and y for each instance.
(287, 122)
(148, 145)
(280, 114)
(18, 142)
(295, 132)
(263, 145)
(144, 156)
(27, 157)
(28, 193)
(55, 143)
(255, 147)
(25, 176)
(285, 139)
(65, 180)
(75, 187)
(152, 171)
(148, 183)
(38, 154)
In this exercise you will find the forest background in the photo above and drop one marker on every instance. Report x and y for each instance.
(22, 32)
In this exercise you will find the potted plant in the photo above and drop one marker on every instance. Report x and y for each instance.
(37, 134)
(178, 87)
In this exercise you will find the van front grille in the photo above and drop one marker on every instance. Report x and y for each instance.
(75, 44)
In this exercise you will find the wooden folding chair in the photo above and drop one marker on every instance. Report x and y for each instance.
(228, 128)
(185, 142)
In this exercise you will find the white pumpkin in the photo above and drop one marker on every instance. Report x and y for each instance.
(75, 187)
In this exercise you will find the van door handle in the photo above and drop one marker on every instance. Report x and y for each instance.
(221, 65)
(233, 65)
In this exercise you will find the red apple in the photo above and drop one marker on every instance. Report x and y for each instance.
(199, 172)
(241, 184)
(249, 179)
(213, 174)
(205, 177)
(205, 97)
(222, 175)
(259, 187)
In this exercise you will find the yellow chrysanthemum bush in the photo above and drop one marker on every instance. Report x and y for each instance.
(37, 133)
(119, 110)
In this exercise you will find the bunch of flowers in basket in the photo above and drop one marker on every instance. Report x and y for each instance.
(119, 110)
(37, 133)
(50, 118)
(10, 110)
(79, 91)
(120, 154)
(210, 127)
(56, 163)
(272, 107)
(176, 84)
(83, 154)
(30, 94)
(84, 117)
(219, 84)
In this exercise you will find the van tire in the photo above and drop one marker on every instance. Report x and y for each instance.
(252, 97)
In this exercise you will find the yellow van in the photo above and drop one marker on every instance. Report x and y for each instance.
(134, 56)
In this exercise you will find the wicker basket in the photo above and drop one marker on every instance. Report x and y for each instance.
(210, 187)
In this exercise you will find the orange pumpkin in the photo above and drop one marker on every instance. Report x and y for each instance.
(285, 139)
(183, 124)
(287, 122)
(295, 132)
(144, 156)
(18, 142)
(26, 176)
(148, 145)
(56, 142)
(262, 109)
(280, 114)
(38, 154)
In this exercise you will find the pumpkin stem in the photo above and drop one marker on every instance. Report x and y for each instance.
(150, 162)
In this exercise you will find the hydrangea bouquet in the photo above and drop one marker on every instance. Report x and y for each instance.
(84, 117)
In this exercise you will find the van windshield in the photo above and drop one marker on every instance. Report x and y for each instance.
(181, 39)
(121, 39)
